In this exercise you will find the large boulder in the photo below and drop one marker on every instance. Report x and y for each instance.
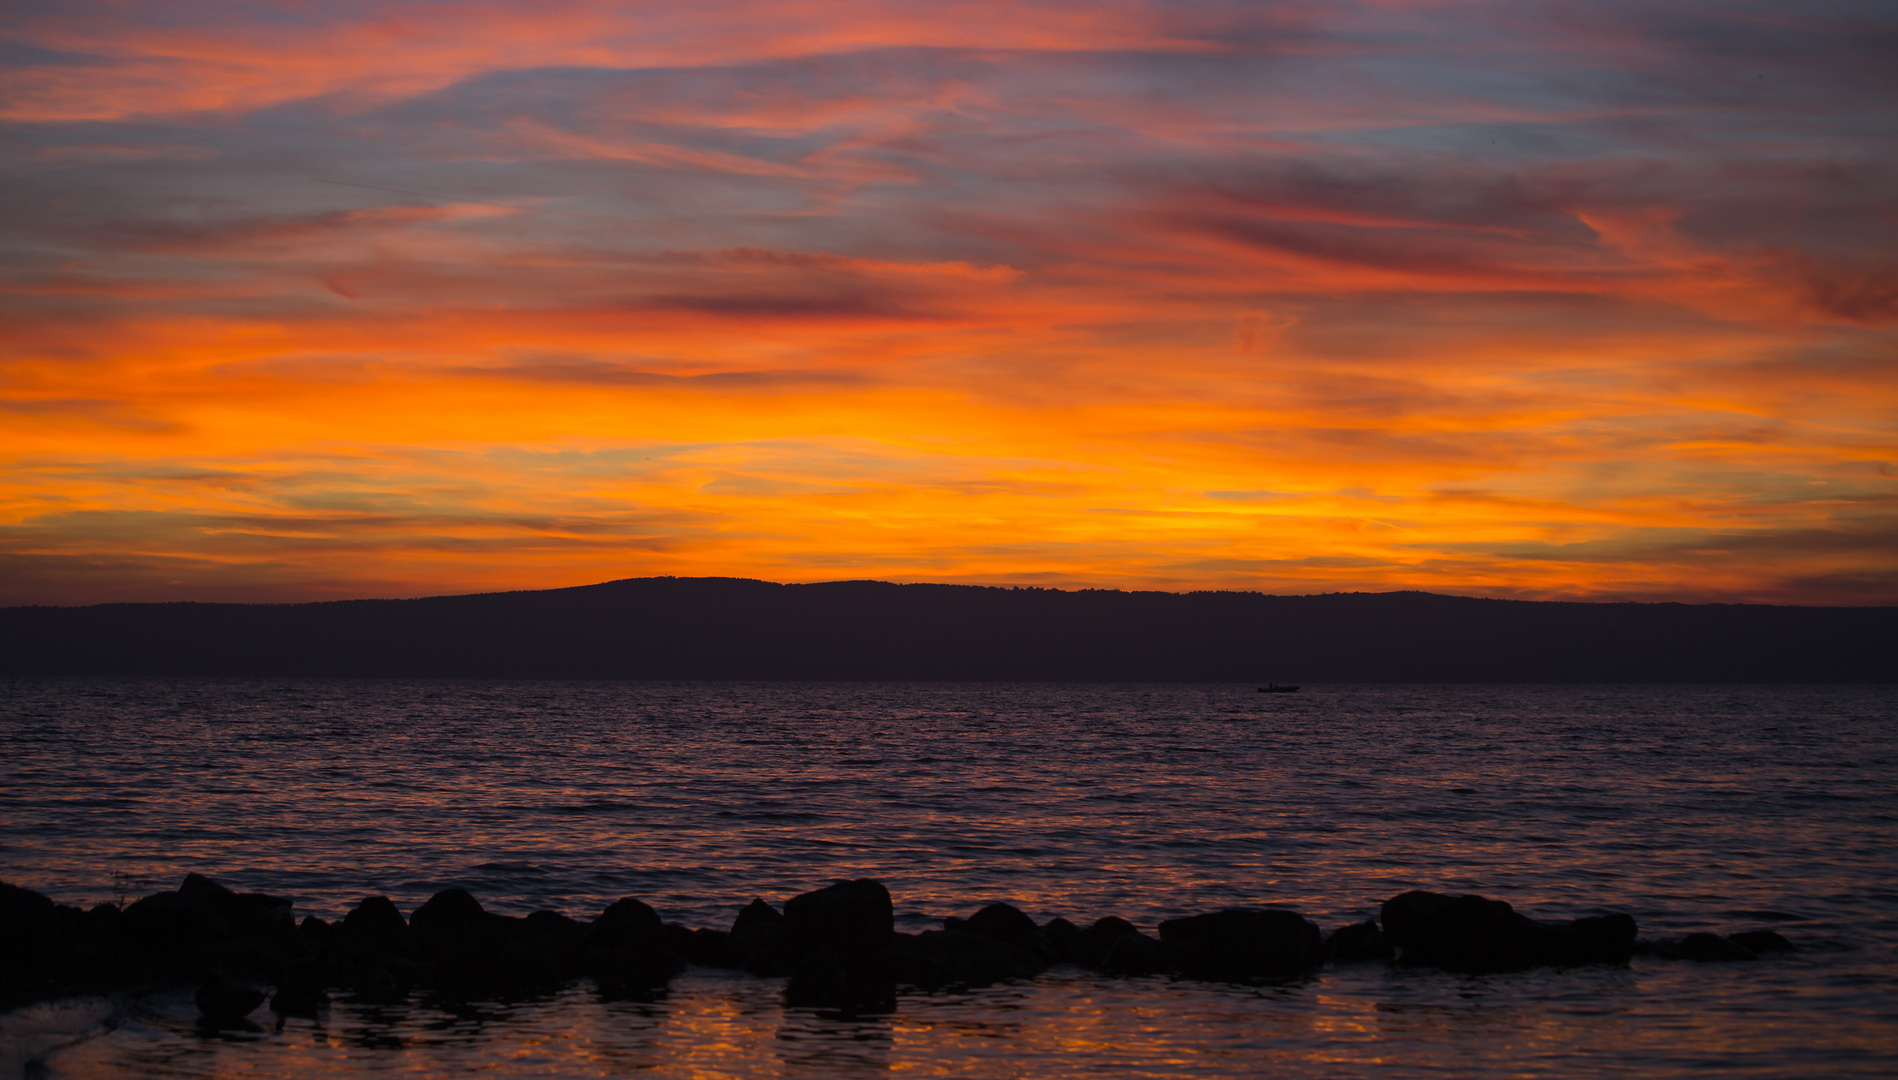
(757, 939)
(1242, 943)
(833, 938)
(240, 914)
(626, 951)
(373, 927)
(170, 924)
(1132, 955)
(1476, 934)
(1006, 923)
(544, 948)
(1062, 937)
(853, 919)
(938, 958)
(463, 940)
(1357, 943)
(628, 917)
(1116, 947)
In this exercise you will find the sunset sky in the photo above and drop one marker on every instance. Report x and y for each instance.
(1590, 300)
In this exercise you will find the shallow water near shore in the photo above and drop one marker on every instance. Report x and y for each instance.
(1718, 808)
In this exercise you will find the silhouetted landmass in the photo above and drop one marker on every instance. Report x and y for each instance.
(727, 628)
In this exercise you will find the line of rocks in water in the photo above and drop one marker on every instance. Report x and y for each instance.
(837, 947)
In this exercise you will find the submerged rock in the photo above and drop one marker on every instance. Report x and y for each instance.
(1242, 943)
(1761, 941)
(1711, 948)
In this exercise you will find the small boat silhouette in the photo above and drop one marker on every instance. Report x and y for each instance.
(1275, 688)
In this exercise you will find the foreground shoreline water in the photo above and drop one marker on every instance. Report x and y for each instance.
(837, 947)
(1691, 809)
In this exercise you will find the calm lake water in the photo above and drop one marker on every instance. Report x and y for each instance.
(1689, 808)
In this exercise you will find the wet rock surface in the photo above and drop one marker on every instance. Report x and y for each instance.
(939, 958)
(836, 947)
(1242, 943)
(1359, 943)
(1475, 934)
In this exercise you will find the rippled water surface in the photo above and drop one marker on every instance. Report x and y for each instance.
(1721, 808)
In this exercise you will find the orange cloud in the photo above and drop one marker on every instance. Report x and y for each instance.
(312, 303)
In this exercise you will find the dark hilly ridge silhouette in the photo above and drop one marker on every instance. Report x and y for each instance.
(727, 628)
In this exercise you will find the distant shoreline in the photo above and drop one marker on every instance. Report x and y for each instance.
(735, 629)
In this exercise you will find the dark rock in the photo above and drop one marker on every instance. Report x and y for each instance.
(298, 1002)
(1358, 943)
(677, 939)
(1761, 941)
(1133, 954)
(169, 923)
(626, 951)
(630, 970)
(239, 914)
(314, 935)
(627, 924)
(33, 944)
(709, 948)
(1475, 934)
(1598, 939)
(757, 914)
(1712, 948)
(451, 911)
(853, 919)
(1090, 946)
(225, 1004)
(827, 979)
(374, 926)
(27, 921)
(1061, 935)
(545, 947)
(757, 940)
(202, 890)
(939, 958)
(553, 924)
(1242, 943)
(301, 989)
(1007, 923)
(465, 942)
(628, 916)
